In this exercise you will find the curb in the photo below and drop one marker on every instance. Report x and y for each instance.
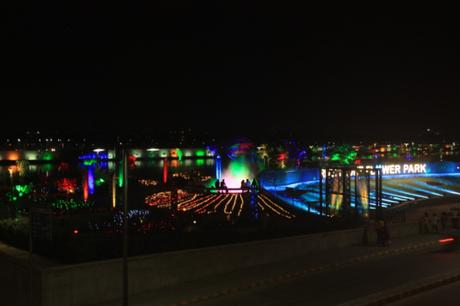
(400, 293)
(290, 276)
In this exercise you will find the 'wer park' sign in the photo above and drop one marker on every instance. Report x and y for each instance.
(400, 169)
(404, 169)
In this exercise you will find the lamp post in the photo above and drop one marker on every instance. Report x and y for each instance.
(125, 227)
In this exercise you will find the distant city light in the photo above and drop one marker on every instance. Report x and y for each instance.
(98, 150)
(153, 149)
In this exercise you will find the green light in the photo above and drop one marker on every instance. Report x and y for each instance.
(100, 181)
(211, 184)
(179, 154)
(89, 162)
(47, 167)
(22, 189)
(164, 153)
(65, 204)
(19, 191)
(200, 153)
(200, 162)
(120, 175)
(47, 156)
(239, 169)
(344, 154)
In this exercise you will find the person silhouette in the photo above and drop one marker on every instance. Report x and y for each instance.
(223, 186)
(248, 184)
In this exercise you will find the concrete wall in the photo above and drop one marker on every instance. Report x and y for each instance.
(91, 283)
(15, 278)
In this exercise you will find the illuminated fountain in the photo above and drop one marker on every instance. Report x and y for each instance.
(244, 164)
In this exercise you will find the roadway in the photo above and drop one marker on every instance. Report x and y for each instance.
(330, 278)
(350, 282)
(446, 295)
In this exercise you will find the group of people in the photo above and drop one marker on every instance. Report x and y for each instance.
(220, 185)
(246, 185)
(433, 223)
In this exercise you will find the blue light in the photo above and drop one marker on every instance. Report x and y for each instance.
(416, 195)
(438, 188)
(100, 155)
(219, 167)
(397, 197)
(407, 186)
(91, 180)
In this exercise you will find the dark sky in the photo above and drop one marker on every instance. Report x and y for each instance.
(237, 69)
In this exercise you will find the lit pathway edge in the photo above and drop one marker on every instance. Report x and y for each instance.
(407, 290)
(290, 276)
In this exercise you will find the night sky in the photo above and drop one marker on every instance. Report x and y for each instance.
(232, 70)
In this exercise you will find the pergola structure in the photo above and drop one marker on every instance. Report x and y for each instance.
(343, 189)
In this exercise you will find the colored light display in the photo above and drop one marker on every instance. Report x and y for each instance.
(120, 174)
(241, 147)
(101, 155)
(282, 159)
(67, 185)
(363, 194)
(90, 180)
(231, 204)
(132, 159)
(70, 204)
(31, 155)
(47, 167)
(219, 167)
(237, 170)
(179, 154)
(200, 153)
(336, 194)
(47, 156)
(85, 188)
(89, 162)
(100, 181)
(114, 191)
(19, 191)
(148, 182)
(164, 199)
(165, 171)
(345, 155)
(174, 163)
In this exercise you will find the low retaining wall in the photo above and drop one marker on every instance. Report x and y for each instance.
(15, 280)
(95, 282)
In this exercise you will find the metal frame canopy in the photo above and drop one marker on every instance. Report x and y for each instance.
(344, 190)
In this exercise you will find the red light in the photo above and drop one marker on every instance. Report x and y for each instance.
(446, 241)
(132, 158)
(75, 232)
(165, 171)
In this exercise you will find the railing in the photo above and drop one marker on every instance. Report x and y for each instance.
(232, 190)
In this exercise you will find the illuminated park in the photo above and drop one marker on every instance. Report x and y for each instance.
(179, 190)
(70, 207)
(185, 153)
